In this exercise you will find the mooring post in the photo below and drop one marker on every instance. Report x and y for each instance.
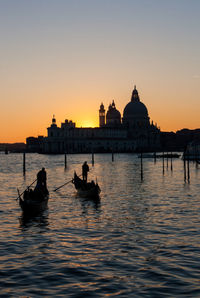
(141, 163)
(171, 163)
(163, 158)
(196, 156)
(184, 165)
(188, 169)
(24, 163)
(154, 157)
(112, 154)
(92, 157)
(65, 160)
(167, 160)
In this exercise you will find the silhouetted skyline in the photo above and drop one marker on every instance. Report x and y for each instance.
(66, 57)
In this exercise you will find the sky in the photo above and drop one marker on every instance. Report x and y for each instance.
(65, 57)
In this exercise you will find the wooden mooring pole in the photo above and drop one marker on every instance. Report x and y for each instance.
(92, 158)
(188, 170)
(112, 155)
(154, 157)
(167, 160)
(184, 165)
(141, 164)
(163, 159)
(65, 160)
(24, 163)
(171, 163)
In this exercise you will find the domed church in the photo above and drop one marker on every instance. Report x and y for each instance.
(135, 121)
(132, 133)
(135, 116)
(113, 116)
(135, 113)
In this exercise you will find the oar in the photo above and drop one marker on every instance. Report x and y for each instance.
(19, 195)
(65, 183)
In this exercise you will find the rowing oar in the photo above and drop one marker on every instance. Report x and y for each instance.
(19, 195)
(65, 183)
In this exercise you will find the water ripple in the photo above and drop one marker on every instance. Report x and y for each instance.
(141, 239)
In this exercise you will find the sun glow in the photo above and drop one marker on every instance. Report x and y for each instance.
(43, 73)
(86, 123)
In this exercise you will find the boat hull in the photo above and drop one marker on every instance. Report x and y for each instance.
(86, 189)
(33, 203)
(94, 192)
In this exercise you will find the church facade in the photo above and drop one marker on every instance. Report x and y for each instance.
(131, 133)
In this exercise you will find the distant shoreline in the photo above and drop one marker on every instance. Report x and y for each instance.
(13, 147)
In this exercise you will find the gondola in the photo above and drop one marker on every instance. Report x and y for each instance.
(86, 189)
(34, 201)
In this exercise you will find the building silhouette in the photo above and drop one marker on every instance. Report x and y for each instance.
(131, 133)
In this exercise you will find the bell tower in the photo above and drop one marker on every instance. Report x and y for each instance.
(101, 116)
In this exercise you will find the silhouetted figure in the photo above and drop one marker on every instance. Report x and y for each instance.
(41, 181)
(85, 170)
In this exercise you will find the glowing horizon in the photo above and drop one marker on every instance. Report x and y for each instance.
(66, 57)
(91, 119)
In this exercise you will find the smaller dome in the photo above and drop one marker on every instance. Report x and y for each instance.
(113, 116)
(112, 112)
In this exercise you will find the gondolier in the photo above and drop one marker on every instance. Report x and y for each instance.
(85, 170)
(41, 181)
(36, 200)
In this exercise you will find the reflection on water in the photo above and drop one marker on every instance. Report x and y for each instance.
(39, 220)
(90, 202)
(141, 238)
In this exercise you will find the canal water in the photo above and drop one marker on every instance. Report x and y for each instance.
(141, 239)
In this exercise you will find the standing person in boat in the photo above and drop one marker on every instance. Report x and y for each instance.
(85, 170)
(41, 181)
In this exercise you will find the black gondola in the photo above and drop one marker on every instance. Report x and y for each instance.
(86, 189)
(34, 200)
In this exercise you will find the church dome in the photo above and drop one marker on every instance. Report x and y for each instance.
(135, 108)
(112, 112)
(113, 116)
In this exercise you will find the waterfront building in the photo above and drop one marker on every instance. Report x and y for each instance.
(132, 133)
(192, 150)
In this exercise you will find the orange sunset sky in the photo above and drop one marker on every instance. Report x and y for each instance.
(65, 57)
